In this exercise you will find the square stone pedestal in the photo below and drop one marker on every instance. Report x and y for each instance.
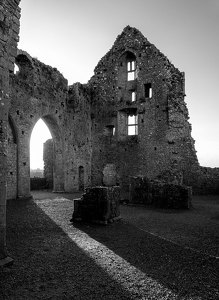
(98, 204)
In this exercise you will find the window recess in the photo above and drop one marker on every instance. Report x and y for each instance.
(131, 70)
(132, 124)
(148, 90)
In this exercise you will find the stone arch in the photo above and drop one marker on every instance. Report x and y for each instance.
(125, 57)
(23, 154)
(127, 70)
(128, 54)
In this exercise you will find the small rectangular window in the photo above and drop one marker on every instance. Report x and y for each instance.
(131, 68)
(133, 125)
(133, 96)
(109, 130)
(148, 90)
(131, 76)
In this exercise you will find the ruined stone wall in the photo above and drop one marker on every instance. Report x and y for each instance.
(89, 125)
(164, 134)
(9, 29)
(79, 150)
(12, 163)
(40, 91)
(205, 181)
(48, 162)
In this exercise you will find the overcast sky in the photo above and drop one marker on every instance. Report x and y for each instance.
(73, 35)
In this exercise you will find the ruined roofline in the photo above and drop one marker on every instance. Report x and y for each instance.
(34, 61)
(128, 31)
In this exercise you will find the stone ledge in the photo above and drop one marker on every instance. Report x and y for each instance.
(5, 262)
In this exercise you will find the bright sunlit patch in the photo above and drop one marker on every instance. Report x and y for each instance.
(134, 281)
(39, 135)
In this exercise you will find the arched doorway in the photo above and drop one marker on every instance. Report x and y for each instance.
(39, 137)
(51, 141)
(20, 151)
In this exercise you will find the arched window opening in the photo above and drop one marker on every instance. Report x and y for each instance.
(39, 137)
(131, 66)
(16, 69)
(127, 72)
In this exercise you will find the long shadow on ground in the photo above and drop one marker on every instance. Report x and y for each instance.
(48, 264)
(180, 270)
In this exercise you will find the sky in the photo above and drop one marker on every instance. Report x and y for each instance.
(74, 35)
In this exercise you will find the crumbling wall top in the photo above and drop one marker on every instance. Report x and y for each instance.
(35, 73)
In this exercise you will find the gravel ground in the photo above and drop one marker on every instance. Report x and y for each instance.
(143, 256)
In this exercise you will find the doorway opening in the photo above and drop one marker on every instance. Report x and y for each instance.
(40, 174)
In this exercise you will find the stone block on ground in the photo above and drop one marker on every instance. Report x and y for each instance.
(98, 204)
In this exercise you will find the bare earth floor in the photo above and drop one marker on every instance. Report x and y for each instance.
(149, 254)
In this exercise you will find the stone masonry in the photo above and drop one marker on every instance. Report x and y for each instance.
(48, 162)
(131, 116)
(129, 120)
(9, 30)
(135, 82)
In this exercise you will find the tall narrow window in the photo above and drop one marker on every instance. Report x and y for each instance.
(133, 125)
(148, 90)
(131, 68)
(133, 96)
(16, 69)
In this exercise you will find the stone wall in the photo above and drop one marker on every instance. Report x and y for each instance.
(89, 123)
(40, 91)
(206, 181)
(159, 193)
(79, 150)
(9, 29)
(155, 95)
(12, 163)
(48, 162)
(98, 204)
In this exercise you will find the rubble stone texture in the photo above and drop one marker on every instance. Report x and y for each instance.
(130, 115)
(159, 194)
(9, 29)
(48, 162)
